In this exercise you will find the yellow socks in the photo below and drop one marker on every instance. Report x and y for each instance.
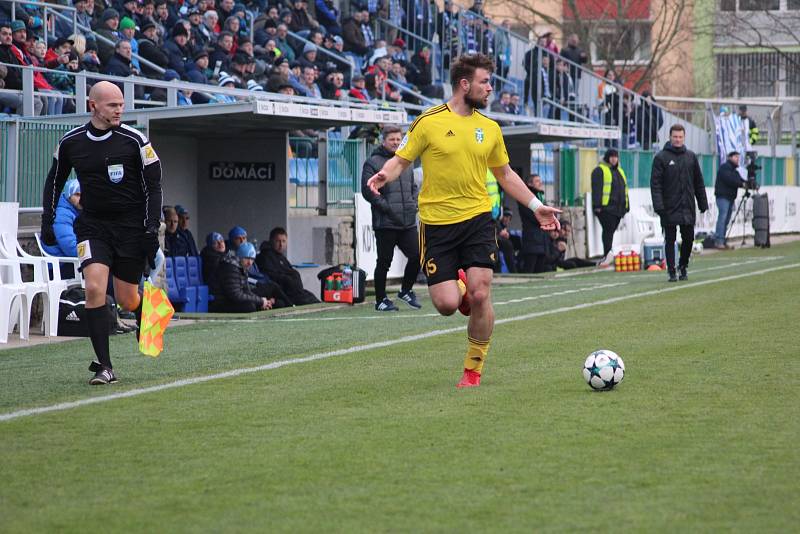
(476, 354)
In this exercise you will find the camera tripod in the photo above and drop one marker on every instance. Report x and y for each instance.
(739, 210)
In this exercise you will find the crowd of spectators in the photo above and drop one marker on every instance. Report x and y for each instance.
(287, 47)
(297, 47)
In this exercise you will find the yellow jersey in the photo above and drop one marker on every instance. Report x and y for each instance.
(455, 152)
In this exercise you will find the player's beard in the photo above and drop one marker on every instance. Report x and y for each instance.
(475, 103)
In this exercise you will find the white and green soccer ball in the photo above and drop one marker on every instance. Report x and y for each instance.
(603, 369)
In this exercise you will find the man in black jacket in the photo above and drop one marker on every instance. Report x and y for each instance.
(273, 262)
(394, 220)
(231, 290)
(675, 182)
(535, 241)
(150, 49)
(725, 189)
(609, 197)
(178, 50)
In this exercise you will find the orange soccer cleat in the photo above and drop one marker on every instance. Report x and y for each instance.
(470, 379)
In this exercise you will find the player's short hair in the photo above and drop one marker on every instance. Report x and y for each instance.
(465, 66)
(676, 128)
(275, 232)
(390, 129)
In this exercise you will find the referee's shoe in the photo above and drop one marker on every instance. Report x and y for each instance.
(102, 375)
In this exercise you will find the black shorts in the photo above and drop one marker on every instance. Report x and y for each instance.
(446, 248)
(113, 243)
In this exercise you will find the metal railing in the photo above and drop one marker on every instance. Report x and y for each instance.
(131, 83)
(324, 51)
(342, 163)
(48, 12)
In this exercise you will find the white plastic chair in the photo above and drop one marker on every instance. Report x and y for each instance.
(77, 279)
(40, 284)
(12, 292)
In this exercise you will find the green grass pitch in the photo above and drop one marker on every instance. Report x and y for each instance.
(702, 435)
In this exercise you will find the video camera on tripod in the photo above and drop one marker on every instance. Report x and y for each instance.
(750, 165)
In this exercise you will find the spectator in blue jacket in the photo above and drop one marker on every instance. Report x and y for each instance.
(328, 16)
(66, 211)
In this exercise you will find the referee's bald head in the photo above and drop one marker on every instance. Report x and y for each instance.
(102, 91)
(106, 103)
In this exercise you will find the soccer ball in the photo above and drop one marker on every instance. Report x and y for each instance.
(603, 369)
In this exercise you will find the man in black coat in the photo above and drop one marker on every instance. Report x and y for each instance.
(535, 241)
(272, 261)
(725, 189)
(609, 197)
(394, 220)
(675, 182)
(150, 49)
(230, 287)
(178, 50)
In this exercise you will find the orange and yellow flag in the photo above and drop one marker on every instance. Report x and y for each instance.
(156, 313)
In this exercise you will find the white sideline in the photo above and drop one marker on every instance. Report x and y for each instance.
(360, 348)
(412, 315)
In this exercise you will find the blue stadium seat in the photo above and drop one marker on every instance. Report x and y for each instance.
(182, 281)
(173, 293)
(195, 269)
(304, 171)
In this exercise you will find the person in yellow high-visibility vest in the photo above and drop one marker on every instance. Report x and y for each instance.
(609, 197)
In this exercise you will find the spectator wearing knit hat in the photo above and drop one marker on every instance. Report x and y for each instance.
(127, 27)
(183, 227)
(230, 285)
(309, 57)
(150, 50)
(212, 254)
(178, 50)
(108, 28)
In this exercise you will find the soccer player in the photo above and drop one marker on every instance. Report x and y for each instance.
(456, 145)
(117, 231)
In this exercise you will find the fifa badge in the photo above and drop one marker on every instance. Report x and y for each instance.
(479, 135)
(115, 172)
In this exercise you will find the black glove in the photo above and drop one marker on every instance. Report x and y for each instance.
(150, 247)
(48, 235)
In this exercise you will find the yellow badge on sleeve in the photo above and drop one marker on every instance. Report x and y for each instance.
(149, 155)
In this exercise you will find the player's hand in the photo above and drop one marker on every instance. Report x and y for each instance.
(504, 234)
(546, 215)
(150, 247)
(377, 181)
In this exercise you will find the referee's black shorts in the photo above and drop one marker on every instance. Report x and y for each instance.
(446, 248)
(117, 244)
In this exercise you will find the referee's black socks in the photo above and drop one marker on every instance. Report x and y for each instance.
(97, 320)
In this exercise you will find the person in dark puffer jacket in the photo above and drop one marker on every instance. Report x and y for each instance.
(394, 220)
(232, 292)
(675, 182)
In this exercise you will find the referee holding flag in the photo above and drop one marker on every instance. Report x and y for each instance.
(117, 230)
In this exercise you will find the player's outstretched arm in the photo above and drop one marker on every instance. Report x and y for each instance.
(391, 170)
(513, 185)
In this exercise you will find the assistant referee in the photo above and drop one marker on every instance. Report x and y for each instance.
(456, 145)
(117, 230)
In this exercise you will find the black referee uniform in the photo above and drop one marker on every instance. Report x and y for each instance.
(120, 177)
